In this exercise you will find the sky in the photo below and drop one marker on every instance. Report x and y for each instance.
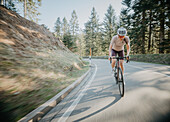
(52, 9)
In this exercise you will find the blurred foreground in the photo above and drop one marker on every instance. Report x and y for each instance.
(34, 65)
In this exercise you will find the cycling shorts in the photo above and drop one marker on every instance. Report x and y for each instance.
(119, 53)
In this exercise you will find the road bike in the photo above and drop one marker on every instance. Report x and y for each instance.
(119, 75)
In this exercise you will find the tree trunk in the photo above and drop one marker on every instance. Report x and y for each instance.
(168, 4)
(161, 42)
(143, 32)
(150, 30)
(162, 22)
(2, 2)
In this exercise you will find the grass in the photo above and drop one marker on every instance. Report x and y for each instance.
(29, 99)
(27, 82)
(152, 58)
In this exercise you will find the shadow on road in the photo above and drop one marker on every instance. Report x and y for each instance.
(117, 98)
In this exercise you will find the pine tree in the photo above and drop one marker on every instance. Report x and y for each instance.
(10, 4)
(125, 16)
(109, 28)
(65, 26)
(148, 26)
(74, 29)
(140, 8)
(67, 40)
(81, 44)
(93, 34)
(57, 27)
(87, 38)
(74, 26)
(161, 18)
(66, 34)
(30, 9)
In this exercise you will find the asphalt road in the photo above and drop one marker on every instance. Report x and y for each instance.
(97, 98)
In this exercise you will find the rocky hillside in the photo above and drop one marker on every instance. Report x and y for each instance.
(34, 65)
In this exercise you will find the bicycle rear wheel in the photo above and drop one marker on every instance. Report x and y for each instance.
(121, 83)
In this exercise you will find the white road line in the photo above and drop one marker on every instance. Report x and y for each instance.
(148, 70)
(76, 101)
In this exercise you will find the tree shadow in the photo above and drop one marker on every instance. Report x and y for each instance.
(117, 98)
(90, 95)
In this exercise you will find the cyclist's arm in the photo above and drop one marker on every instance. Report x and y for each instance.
(127, 45)
(110, 47)
(128, 48)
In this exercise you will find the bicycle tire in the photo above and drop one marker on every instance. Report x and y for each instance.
(121, 83)
(115, 74)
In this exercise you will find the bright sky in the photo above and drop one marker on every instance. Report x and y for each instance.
(52, 9)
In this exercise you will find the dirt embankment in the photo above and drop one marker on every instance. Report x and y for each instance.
(34, 65)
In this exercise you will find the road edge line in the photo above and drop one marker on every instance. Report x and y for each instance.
(39, 112)
(68, 112)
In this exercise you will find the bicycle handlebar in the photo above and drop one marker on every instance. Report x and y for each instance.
(117, 58)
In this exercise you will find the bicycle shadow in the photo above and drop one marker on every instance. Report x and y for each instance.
(95, 95)
(117, 98)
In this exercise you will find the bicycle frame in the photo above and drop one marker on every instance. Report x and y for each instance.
(117, 61)
(117, 66)
(118, 71)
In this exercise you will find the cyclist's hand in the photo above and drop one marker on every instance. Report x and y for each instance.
(127, 58)
(109, 57)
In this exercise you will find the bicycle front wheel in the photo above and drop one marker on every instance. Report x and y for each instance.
(121, 83)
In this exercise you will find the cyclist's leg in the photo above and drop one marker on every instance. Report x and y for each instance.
(121, 54)
(122, 66)
(113, 60)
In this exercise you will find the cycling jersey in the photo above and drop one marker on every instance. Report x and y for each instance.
(117, 44)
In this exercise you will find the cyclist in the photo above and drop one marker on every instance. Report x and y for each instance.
(117, 46)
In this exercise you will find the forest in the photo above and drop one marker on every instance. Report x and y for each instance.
(147, 23)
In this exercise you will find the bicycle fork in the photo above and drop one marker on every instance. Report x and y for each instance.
(117, 70)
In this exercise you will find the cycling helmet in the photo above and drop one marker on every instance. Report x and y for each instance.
(121, 31)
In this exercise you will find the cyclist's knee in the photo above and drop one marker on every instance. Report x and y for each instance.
(113, 61)
(121, 62)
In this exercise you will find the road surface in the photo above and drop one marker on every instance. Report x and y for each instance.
(97, 98)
